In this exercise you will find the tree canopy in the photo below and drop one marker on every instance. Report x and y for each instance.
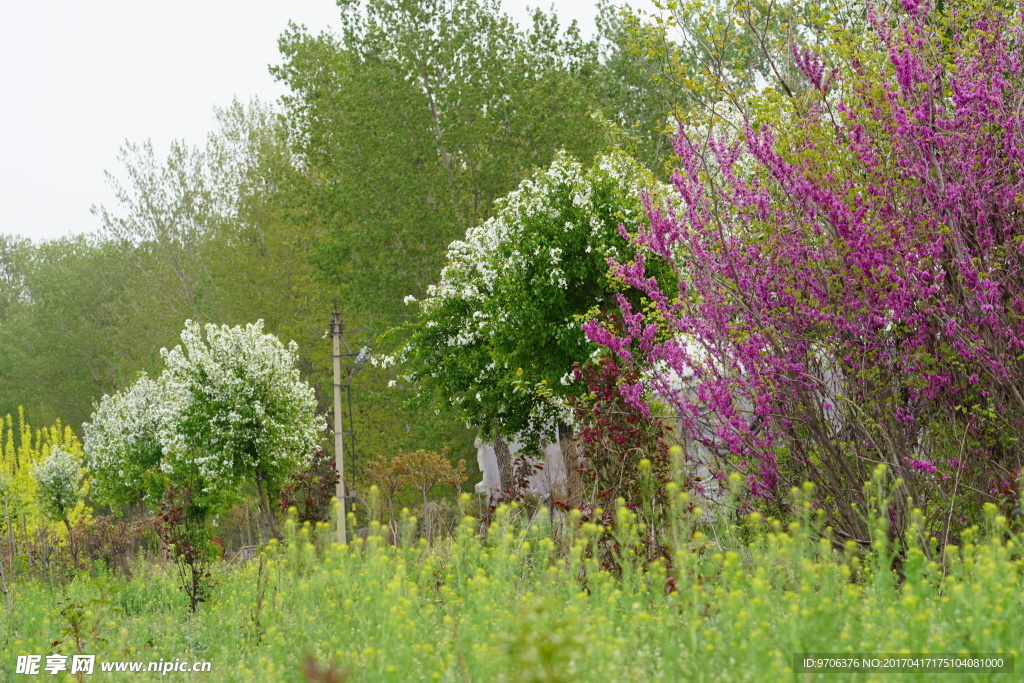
(237, 406)
(473, 103)
(122, 441)
(499, 334)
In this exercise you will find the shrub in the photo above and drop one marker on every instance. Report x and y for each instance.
(310, 489)
(59, 478)
(186, 540)
(622, 455)
(111, 543)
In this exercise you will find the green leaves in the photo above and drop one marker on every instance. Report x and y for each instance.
(236, 406)
(418, 116)
(498, 335)
(122, 443)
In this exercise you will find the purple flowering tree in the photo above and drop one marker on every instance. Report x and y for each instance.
(852, 281)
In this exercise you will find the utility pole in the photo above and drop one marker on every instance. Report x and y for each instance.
(339, 436)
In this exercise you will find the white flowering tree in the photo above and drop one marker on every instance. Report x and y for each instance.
(499, 334)
(236, 410)
(122, 442)
(59, 480)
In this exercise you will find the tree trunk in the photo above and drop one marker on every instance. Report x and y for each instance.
(504, 458)
(11, 546)
(426, 517)
(28, 544)
(4, 589)
(71, 544)
(269, 523)
(573, 482)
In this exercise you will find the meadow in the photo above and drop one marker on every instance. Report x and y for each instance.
(528, 600)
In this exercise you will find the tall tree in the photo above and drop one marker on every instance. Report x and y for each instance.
(415, 118)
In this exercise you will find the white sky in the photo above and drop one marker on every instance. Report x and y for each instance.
(78, 79)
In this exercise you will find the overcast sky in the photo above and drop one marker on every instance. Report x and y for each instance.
(79, 78)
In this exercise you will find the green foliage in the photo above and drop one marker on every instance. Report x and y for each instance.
(387, 418)
(205, 233)
(236, 228)
(14, 255)
(499, 334)
(545, 643)
(417, 116)
(236, 406)
(229, 411)
(199, 234)
(71, 327)
(527, 601)
(709, 51)
(122, 442)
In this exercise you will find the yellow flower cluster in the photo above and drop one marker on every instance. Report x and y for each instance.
(22, 449)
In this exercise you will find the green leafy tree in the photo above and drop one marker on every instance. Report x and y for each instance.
(218, 245)
(408, 124)
(15, 253)
(499, 334)
(76, 325)
(415, 118)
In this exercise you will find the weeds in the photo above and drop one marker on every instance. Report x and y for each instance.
(531, 599)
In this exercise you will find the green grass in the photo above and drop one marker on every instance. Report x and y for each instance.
(527, 603)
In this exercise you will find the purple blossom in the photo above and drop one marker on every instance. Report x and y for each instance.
(886, 269)
(926, 466)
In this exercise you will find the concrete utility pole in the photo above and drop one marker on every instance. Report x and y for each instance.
(339, 437)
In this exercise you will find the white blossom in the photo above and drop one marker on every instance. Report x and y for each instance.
(529, 249)
(58, 477)
(121, 442)
(237, 404)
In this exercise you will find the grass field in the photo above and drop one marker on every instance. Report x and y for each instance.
(527, 602)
